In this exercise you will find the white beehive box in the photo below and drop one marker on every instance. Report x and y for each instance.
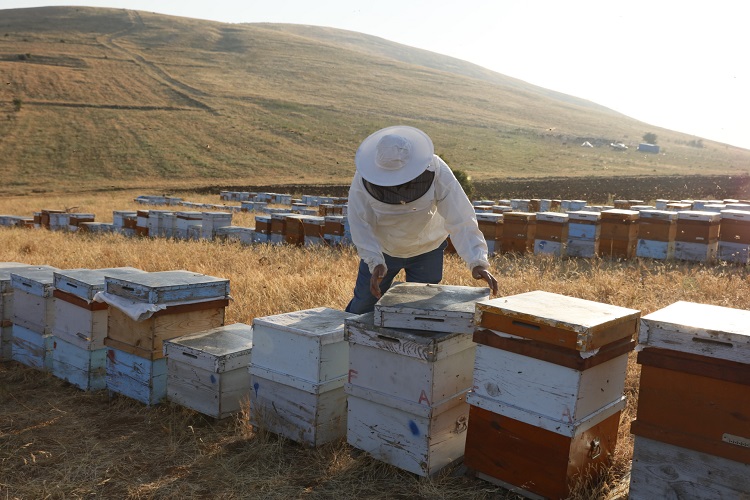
(32, 348)
(33, 302)
(307, 344)
(166, 287)
(299, 364)
(421, 367)
(662, 470)
(411, 436)
(701, 329)
(698, 252)
(135, 377)
(85, 369)
(309, 413)
(212, 221)
(738, 253)
(79, 320)
(436, 308)
(207, 371)
(6, 306)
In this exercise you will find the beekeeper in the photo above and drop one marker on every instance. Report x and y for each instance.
(404, 202)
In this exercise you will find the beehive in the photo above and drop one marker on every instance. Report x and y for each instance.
(734, 236)
(6, 307)
(313, 228)
(299, 365)
(584, 228)
(277, 230)
(208, 371)
(697, 237)
(551, 235)
(262, 229)
(436, 308)
(491, 226)
(407, 394)
(33, 303)
(656, 234)
(619, 233)
(519, 230)
(694, 400)
(211, 221)
(138, 378)
(333, 230)
(183, 221)
(549, 377)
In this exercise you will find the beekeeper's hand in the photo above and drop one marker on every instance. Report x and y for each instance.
(377, 276)
(480, 273)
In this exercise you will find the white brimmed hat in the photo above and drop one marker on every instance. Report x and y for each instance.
(394, 155)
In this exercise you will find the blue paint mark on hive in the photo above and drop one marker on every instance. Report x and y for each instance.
(213, 379)
(255, 386)
(413, 427)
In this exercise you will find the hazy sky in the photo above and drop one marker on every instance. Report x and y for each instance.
(681, 65)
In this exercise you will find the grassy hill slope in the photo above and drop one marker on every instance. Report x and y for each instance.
(99, 98)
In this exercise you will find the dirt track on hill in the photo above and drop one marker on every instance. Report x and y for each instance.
(592, 189)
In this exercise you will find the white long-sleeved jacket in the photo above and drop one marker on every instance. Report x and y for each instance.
(414, 228)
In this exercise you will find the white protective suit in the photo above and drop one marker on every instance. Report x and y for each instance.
(414, 228)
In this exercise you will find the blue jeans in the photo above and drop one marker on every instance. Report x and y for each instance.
(425, 268)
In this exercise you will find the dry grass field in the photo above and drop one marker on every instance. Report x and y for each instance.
(59, 442)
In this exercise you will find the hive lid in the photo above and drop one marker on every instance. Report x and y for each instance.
(697, 215)
(7, 268)
(561, 320)
(168, 286)
(703, 329)
(236, 338)
(37, 280)
(323, 323)
(85, 283)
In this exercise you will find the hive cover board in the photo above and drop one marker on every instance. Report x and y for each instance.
(557, 319)
(168, 286)
(36, 280)
(85, 283)
(219, 349)
(703, 329)
(436, 308)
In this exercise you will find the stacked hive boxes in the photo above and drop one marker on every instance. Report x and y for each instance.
(551, 233)
(656, 234)
(80, 326)
(207, 371)
(33, 316)
(411, 365)
(211, 221)
(147, 309)
(184, 220)
(6, 307)
(692, 437)
(277, 233)
(299, 365)
(334, 229)
(619, 233)
(548, 389)
(584, 228)
(262, 229)
(491, 226)
(734, 236)
(314, 230)
(519, 231)
(697, 236)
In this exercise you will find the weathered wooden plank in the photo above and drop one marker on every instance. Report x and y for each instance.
(558, 392)
(662, 470)
(312, 419)
(533, 459)
(437, 308)
(558, 319)
(703, 329)
(307, 344)
(422, 440)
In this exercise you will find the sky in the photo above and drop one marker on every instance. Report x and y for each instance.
(681, 65)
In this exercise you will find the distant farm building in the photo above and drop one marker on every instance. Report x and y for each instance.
(648, 148)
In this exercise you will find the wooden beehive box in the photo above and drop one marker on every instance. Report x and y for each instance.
(185, 303)
(584, 228)
(527, 457)
(414, 437)
(294, 231)
(420, 366)
(563, 321)
(698, 227)
(83, 368)
(491, 226)
(619, 233)
(656, 234)
(32, 348)
(6, 306)
(79, 320)
(278, 227)
(33, 303)
(406, 393)
(734, 236)
(208, 371)
(436, 308)
(211, 221)
(136, 377)
(299, 364)
(662, 470)
(695, 379)
(551, 233)
(313, 228)
(519, 230)
(183, 221)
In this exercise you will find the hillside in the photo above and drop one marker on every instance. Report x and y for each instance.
(100, 98)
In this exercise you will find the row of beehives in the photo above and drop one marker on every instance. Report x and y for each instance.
(277, 226)
(531, 400)
(649, 233)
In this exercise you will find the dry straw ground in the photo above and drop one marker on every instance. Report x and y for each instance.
(59, 442)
